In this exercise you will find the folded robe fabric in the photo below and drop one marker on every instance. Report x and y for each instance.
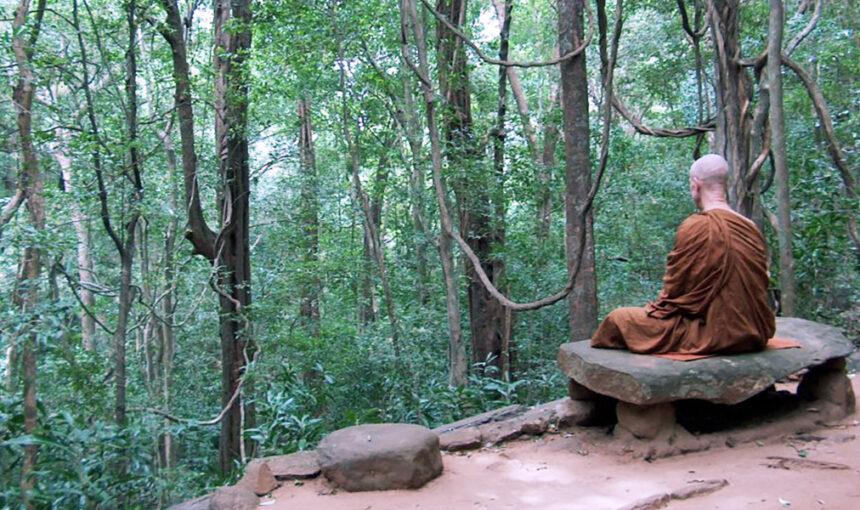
(714, 296)
(774, 343)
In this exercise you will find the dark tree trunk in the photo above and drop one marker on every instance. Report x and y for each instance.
(574, 101)
(229, 249)
(475, 207)
(505, 327)
(232, 247)
(309, 292)
(733, 92)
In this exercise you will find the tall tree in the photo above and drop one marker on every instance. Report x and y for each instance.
(228, 249)
(476, 213)
(26, 296)
(733, 89)
(456, 348)
(310, 284)
(574, 101)
(779, 155)
(232, 252)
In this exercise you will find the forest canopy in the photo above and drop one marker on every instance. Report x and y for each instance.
(228, 228)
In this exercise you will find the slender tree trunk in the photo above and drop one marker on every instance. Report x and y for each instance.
(83, 249)
(547, 162)
(310, 286)
(759, 148)
(505, 327)
(416, 186)
(167, 347)
(456, 348)
(733, 93)
(369, 308)
(26, 294)
(574, 100)
(543, 158)
(779, 154)
(472, 188)
(232, 248)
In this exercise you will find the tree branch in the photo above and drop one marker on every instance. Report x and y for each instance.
(11, 208)
(506, 63)
(806, 31)
(660, 131)
(213, 421)
(835, 151)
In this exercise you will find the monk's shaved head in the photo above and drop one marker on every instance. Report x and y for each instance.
(709, 178)
(710, 170)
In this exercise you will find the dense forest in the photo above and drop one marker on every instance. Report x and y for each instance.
(231, 227)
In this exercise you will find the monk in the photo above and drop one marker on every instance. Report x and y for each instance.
(714, 297)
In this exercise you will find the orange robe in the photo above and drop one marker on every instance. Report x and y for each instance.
(714, 297)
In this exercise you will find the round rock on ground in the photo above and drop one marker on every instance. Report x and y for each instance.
(380, 457)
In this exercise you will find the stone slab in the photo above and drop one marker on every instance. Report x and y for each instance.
(728, 379)
(296, 466)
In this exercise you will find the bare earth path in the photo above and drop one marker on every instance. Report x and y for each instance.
(817, 470)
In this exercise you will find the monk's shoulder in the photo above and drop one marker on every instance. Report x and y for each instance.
(693, 225)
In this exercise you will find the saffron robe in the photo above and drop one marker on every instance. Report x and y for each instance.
(714, 297)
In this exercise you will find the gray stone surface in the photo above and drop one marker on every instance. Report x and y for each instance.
(380, 457)
(296, 466)
(729, 379)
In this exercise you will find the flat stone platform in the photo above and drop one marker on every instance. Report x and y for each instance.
(643, 379)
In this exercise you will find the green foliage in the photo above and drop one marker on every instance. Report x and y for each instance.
(311, 380)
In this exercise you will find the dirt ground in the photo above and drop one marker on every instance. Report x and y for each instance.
(586, 469)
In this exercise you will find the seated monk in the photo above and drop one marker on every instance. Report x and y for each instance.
(714, 297)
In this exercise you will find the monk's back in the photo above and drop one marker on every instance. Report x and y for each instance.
(738, 318)
(714, 296)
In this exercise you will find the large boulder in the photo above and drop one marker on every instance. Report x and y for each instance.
(380, 457)
(644, 380)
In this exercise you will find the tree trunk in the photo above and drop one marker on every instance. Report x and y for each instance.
(473, 190)
(505, 327)
(733, 93)
(779, 154)
(574, 101)
(310, 283)
(456, 349)
(232, 248)
(83, 248)
(26, 296)
(543, 158)
(166, 336)
(416, 187)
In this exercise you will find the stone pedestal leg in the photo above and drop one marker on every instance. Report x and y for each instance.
(646, 421)
(830, 387)
(603, 411)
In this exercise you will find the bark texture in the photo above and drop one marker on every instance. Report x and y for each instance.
(574, 101)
